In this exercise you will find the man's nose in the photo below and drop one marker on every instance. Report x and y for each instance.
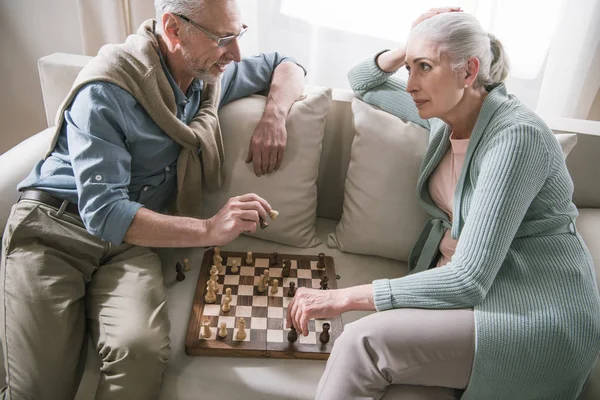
(233, 50)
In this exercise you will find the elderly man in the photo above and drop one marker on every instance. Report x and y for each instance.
(138, 134)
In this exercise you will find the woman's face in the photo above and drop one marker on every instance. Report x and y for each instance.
(435, 88)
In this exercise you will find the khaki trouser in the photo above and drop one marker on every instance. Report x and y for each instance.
(57, 283)
(408, 354)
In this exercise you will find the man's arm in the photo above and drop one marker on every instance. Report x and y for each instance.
(284, 80)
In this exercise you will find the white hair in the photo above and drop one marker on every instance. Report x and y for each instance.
(460, 36)
(188, 8)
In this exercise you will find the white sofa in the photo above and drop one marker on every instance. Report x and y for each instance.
(249, 378)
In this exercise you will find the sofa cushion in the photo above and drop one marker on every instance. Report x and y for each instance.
(381, 214)
(291, 190)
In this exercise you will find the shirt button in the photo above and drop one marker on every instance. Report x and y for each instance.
(98, 178)
(145, 188)
(167, 169)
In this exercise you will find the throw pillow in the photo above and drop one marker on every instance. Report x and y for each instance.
(291, 190)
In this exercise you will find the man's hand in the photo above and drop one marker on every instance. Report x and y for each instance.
(267, 145)
(240, 214)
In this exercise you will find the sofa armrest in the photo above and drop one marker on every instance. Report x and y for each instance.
(16, 164)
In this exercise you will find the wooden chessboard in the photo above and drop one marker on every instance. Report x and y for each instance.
(264, 313)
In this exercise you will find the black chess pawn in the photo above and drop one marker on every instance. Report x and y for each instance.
(285, 272)
(292, 335)
(180, 275)
(324, 336)
(274, 259)
(321, 262)
(292, 290)
(324, 284)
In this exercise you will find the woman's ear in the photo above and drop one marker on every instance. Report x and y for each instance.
(471, 71)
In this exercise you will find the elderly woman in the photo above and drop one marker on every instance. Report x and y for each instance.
(501, 301)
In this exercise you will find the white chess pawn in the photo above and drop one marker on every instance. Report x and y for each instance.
(273, 214)
(210, 297)
(241, 333)
(214, 284)
(226, 307)
(217, 250)
(223, 330)
(206, 332)
(274, 286)
(249, 259)
(186, 265)
(228, 293)
(261, 284)
(234, 267)
(266, 278)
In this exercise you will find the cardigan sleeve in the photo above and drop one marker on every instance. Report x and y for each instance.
(381, 89)
(513, 170)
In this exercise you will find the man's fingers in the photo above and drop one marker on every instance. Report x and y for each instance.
(256, 163)
(254, 206)
(279, 158)
(273, 160)
(251, 197)
(266, 158)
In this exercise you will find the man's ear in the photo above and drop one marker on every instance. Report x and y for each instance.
(471, 71)
(172, 28)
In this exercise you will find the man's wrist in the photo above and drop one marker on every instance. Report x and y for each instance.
(203, 233)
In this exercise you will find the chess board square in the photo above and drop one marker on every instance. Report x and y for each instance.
(248, 334)
(232, 280)
(304, 274)
(317, 274)
(213, 335)
(275, 323)
(303, 264)
(274, 336)
(319, 324)
(247, 271)
(260, 301)
(246, 290)
(286, 281)
(256, 280)
(316, 283)
(258, 323)
(286, 301)
(313, 265)
(246, 280)
(275, 301)
(310, 339)
(278, 294)
(261, 262)
(230, 321)
(221, 298)
(294, 264)
(243, 311)
(311, 325)
(304, 283)
(260, 312)
(275, 272)
(275, 312)
(244, 300)
(238, 261)
(212, 309)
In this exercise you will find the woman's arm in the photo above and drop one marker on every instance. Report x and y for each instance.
(372, 81)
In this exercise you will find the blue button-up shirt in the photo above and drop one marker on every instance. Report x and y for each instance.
(111, 158)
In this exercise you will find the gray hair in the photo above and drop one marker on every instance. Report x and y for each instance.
(189, 8)
(461, 36)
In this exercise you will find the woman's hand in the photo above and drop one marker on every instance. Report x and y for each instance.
(432, 12)
(314, 303)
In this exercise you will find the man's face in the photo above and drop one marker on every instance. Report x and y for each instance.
(202, 56)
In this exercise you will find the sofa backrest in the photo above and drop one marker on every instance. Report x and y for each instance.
(58, 71)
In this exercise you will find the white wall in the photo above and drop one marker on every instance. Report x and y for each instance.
(30, 29)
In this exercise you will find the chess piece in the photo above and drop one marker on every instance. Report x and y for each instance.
(214, 273)
(223, 330)
(249, 259)
(180, 275)
(292, 289)
(292, 335)
(228, 293)
(241, 333)
(273, 214)
(217, 259)
(324, 280)
(287, 265)
(274, 259)
(210, 297)
(321, 262)
(263, 224)
(266, 279)
(261, 284)
(234, 267)
(226, 307)
(274, 286)
(186, 265)
(324, 336)
(206, 332)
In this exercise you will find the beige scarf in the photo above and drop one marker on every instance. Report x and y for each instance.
(135, 67)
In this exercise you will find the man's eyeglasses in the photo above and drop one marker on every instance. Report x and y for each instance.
(220, 41)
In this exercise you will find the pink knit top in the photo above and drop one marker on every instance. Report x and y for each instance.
(442, 185)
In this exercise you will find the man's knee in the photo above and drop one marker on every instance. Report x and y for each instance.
(135, 345)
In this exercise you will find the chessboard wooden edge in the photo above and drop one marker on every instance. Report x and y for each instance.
(194, 347)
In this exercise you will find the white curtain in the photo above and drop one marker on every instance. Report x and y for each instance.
(554, 45)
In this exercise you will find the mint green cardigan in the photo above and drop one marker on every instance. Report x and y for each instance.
(537, 309)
